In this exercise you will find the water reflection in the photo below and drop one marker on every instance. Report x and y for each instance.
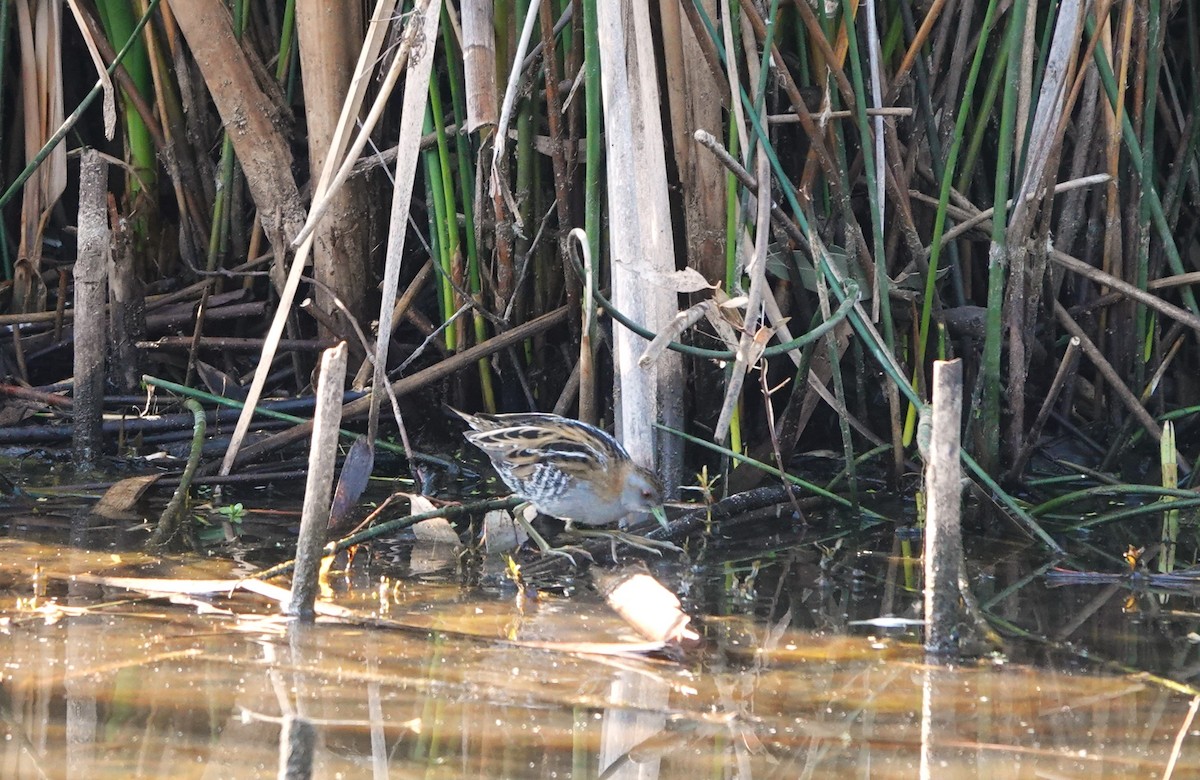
(97, 682)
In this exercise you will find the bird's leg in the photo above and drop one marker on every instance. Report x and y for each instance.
(539, 540)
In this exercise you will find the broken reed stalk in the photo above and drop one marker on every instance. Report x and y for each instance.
(1169, 468)
(91, 287)
(943, 517)
(318, 487)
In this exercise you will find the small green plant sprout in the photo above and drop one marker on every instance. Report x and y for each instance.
(704, 486)
(234, 513)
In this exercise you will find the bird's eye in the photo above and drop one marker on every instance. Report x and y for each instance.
(647, 494)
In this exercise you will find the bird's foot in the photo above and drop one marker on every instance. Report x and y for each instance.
(544, 546)
(567, 551)
(655, 546)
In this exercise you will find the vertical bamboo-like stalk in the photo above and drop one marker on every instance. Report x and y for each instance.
(119, 21)
(526, 161)
(1114, 230)
(278, 210)
(730, 25)
(330, 36)
(465, 163)
(416, 93)
(505, 259)
(479, 64)
(694, 99)
(874, 184)
(642, 243)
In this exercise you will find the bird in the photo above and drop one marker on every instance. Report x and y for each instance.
(566, 469)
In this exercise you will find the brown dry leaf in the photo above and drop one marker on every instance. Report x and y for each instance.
(119, 500)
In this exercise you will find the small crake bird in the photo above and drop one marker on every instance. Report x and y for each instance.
(566, 468)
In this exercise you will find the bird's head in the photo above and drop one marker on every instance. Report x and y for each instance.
(644, 493)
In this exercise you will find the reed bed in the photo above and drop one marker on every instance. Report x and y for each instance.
(789, 210)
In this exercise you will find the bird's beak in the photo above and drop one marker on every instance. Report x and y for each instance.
(660, 515)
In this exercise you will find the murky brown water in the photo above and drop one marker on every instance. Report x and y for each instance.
(98, 682)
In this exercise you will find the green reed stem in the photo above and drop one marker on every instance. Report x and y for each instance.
(465, 158)
(120, 24)
(998, 254)
(1142, 272)
(287, 38)
(451, 258)
(1145, 175)
(939, 223)
(172, 514)
(983, 118)
(1106, 491)
(593, 118)
(866, 139)
(437, 229)
(732, 282)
